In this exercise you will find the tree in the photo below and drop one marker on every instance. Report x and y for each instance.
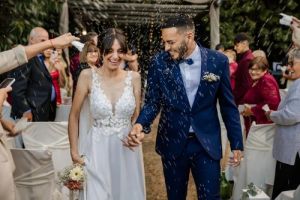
(18, 17)
(259, 18)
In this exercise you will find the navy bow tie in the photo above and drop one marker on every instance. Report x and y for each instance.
(188, 61)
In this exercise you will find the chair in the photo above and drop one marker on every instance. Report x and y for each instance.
(34, 175)
(52, 136)
(258, 165)
(289, 195)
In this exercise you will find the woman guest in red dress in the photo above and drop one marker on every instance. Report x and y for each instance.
(50, 60)
(264, 90)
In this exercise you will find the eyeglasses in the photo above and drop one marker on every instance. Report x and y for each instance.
(293, 63)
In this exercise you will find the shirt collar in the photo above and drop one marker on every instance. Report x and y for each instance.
(196, 53)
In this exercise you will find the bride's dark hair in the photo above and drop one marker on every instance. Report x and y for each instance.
(108, 38)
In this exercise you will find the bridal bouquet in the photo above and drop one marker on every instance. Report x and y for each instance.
(73, 177)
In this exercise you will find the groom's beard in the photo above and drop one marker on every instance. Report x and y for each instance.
(182, 50)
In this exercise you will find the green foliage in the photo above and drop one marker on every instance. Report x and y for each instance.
(260, 19)
(20, 16)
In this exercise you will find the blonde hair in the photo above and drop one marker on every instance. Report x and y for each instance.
(259, 53)
(230, 53)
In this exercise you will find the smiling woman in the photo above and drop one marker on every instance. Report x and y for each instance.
(89, 57)
(113, 170)
(286, 148)
(264, 90)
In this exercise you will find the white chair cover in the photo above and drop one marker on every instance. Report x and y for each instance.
(289, 195)
(34, 174)
(286, 195)
(258, 165)
(297, 193)
(52, 136)
(62, 113)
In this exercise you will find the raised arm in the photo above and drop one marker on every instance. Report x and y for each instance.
(58, 42)
(21, 54)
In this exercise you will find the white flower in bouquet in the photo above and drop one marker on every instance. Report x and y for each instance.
(73, 177)
(76, 174)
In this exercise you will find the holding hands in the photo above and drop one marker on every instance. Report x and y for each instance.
(236, 159)
(135, 137)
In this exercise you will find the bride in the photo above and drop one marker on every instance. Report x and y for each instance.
(114, 172)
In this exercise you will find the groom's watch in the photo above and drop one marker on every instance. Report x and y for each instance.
(146, 130)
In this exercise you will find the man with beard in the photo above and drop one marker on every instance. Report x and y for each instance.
(184, 83)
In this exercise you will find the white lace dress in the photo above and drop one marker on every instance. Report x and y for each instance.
(114, 172)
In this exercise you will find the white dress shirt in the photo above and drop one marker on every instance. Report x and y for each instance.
(191, 75)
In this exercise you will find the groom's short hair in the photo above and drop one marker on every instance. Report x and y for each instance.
(180, 21)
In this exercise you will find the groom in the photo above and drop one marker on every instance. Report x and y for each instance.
(184, 83)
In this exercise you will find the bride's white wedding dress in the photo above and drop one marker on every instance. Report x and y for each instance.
(113, 171)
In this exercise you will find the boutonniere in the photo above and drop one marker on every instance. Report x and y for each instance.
(210, 77)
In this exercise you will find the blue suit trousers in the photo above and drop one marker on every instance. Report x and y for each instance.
(205, 171)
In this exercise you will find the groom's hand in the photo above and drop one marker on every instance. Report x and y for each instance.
(136, 135)
(237, 158)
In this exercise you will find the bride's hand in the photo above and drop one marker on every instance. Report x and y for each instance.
(76, 158)
(136, 136)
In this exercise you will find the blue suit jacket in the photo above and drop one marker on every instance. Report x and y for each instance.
(166, 93)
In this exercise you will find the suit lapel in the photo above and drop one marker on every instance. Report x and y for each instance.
(204, 65)
(42, 67)
(177, 77)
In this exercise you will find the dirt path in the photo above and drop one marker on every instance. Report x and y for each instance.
(155, 185)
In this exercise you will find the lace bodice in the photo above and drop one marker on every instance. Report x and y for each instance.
(111, 118)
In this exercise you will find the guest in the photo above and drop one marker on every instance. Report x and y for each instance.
(64, 67)
(231, 55)
(51, 63)
(220, 48)
(89, 57)
(75, 60)
(286, 148)
(263, 91)
(19, 55)
(242, 78)
(259, 53)
(33, 92)
(131, 58)
(9, 60)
